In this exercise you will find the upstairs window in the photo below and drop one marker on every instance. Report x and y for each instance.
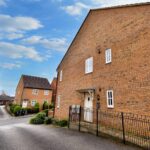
(110, 99)
(46, 92)
(89, 65)
(108, 56)
(35, 92)
(61, 75)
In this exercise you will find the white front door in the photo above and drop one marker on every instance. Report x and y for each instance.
(88, 107)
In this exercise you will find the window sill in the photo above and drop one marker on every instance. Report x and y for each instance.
(108, 63)
(110, 107)
(88, 73)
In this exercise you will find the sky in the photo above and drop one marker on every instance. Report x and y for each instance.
(35, 34)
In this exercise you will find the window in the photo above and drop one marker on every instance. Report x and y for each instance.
(89, 65)
(35, 92)
(108, 56)
(58, 101)
(110, 100)
(46, 92)
(61, 74)
(33, 102)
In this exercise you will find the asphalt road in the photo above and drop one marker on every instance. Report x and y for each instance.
(17, 134)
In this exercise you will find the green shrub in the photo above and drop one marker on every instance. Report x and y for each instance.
(63, 123)
(46, 112)
(45, 105)
(12, 107)
(36, 108)
(51, 106)
(36, 105)
(17, 110)
(39, 118)
(48, 120)
(36, 120)
(41, 115)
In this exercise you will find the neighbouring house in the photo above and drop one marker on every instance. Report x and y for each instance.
(108, 63)
(31, 90)
(54, 87)
(5, 99)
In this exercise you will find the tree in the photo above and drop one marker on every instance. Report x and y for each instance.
(3, 92)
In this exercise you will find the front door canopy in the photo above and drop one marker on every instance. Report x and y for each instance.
(88, 90)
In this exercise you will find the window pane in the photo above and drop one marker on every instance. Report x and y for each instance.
(89, 65)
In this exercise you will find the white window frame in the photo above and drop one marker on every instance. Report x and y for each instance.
(32, 103)
(61, 76)
(46, 92)
(89, 65)
(110, 99)
(108, 55)
(35, 91)
(58, 101)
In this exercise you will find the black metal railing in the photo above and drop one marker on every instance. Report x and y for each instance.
(130, 128)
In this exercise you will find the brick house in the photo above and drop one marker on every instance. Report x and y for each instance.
(108, 62)
(5, 99)
(31, 89)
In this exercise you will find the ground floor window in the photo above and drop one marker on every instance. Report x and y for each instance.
(58, 101)
(33, 102)
(110, 99)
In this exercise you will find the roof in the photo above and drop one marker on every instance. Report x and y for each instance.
(36, 82)
(6, 98)
(97, 9)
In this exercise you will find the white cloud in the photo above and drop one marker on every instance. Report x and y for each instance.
(11, 36)
(18, 24)
(11, 65)
(75, 9)
(2, 3)
(16, 51)
(15, 27)
(58, 44)
(104, 3)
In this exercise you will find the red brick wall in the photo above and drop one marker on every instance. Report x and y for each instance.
(127, 32)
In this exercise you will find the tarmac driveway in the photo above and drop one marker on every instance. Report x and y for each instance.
(17, 134)
(3, 113)
(22, 136)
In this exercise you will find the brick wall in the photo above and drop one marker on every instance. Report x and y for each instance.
(40, 98)
(127, 32)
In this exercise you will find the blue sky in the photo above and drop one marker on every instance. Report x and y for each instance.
(35, 34)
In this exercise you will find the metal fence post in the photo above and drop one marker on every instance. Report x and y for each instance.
(123, 127)
(80, 119)
(69, 117)
(96, 122)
